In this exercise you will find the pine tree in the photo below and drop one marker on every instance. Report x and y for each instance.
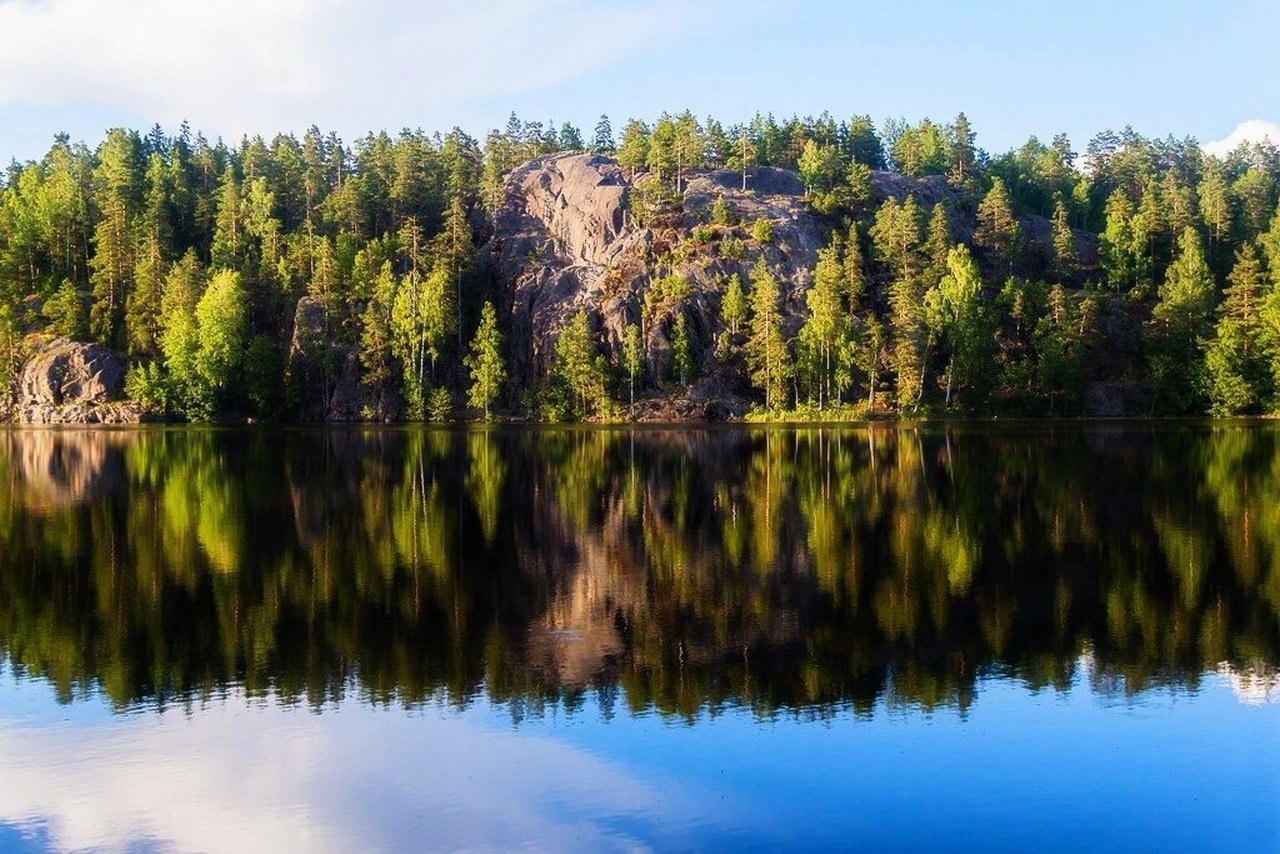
(228, 235)
(579, 366)
(485, 361)
(142, 305)
(1179, 322)
(681, 350)
(661, 158)
(895, 236)
(1060, 339)
(767, 357)
(1269, 243)
(1215, 201)
(603, 142)
(962, 159)
(1065, 259)
(633, 153)
(822, 341)
(998, 230)
(570, 138)
(745, 153)
(376, 332)
(937, 244)
(855, 274)
(1236, 364)
(116, 178)
(686, 146)
(1115, 245)
(871, 354)
(633, 358)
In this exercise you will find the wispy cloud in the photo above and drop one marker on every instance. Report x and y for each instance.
(240, 66)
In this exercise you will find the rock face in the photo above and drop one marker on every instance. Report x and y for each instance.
(324, 379)
(70, 382)
(567, 238)
(69, 372)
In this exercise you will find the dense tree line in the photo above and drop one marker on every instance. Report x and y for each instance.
(195, 258)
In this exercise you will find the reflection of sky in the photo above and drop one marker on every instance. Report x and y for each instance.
(1057, 770)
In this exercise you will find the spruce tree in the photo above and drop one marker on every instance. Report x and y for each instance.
(485, 362)
(767, 357)
(1179, 322)
(998, 230)
(1065, 259)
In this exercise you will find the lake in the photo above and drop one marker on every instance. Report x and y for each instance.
(1049, 635)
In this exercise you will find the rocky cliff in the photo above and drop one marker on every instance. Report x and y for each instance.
(571, 236)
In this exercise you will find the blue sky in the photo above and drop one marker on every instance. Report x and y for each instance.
(260, 66)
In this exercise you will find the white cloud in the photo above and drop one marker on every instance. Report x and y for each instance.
(246, 776)
(238, 66)
(1254, 130)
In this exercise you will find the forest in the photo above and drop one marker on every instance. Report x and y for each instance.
(1141, 264)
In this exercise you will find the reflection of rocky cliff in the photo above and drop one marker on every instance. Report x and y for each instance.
(793, 569)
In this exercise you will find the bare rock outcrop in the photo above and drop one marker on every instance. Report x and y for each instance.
(72, 382)
(574, 233)
(68, 372)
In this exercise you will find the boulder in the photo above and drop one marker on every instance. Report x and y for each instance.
(71, 372)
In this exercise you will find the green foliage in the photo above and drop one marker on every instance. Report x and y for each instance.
(581, 368)
(65, 311)
(823, 352)
(681, 350)
(664, 295)
(998, 230)
(768, 361)
(720, 212)
(1061, 339)
(221, 329)
(1179, 321)
(1238, 361)
(485, 362)
(633, 359)
(11, 350)
(380, 235)
(956, 313)
(149, 386)
(439, 405)
(263, 375)
(1065, 258)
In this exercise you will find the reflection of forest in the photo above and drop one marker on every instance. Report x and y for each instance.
(774, 568)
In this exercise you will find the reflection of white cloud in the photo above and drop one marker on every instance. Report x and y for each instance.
(1254, 130)
(1255, 686)
(241, 777)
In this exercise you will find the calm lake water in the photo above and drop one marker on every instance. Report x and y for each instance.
(1039, 636)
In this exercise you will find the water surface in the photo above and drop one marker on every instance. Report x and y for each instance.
(961, 636)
